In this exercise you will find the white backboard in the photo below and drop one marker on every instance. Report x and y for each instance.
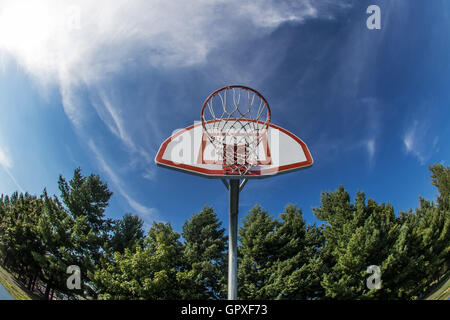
(190, 150)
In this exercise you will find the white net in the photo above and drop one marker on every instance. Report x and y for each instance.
(235, 119)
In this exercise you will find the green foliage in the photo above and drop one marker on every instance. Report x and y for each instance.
(412, 249)
(203, 276)
(54, 227)
(440, 178)
(296, 272)
(257, 254)
(86, 199)
(128, 233)
(148, 273)
(356, 236)
(279, 258)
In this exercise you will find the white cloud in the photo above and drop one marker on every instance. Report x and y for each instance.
(79, 45)
(358, 133)
(408, 141)
(413, 142)
(5, 160)
(146, 212)
(72, 41)
(372, 115)
(7, 164)
(111, 115)
(371, 149)
(149, 174)
(76, 44)
(269, 13)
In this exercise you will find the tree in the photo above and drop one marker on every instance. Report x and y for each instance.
(440, 178)
(203, 276)
(296, 273)
(257, 254)
(356, 237)
(148, 273)
(19, 237)
(55, 228)
(86, 199)
(128, 233)
(278, 259)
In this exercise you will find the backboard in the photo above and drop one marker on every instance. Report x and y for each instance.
(190, 150)
(234, 141)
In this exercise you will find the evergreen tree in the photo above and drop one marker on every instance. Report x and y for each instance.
(440, 178)
(257, 254)
(87, 198)
(55, 227)
(128, 233)
(296, 273)
(203, 276)
(278, 259)
(356, 237)
(148, 273)
(19, 236)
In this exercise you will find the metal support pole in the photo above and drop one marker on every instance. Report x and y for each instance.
(232, 239)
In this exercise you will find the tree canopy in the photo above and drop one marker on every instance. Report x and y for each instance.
(280, 257)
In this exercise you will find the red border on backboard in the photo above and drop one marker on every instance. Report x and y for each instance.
(220, 173)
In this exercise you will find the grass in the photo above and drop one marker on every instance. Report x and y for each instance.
(442, 292)
(13, 287)
(18, 292)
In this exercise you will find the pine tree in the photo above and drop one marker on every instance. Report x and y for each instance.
(148, 273)
(128, 233)
(257, 254)
(87, 198)
(296, 273)
(203, 277)
(356, 237)
(55, 227)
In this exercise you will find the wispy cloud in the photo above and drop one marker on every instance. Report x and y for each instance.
(270, 13)
(422, 127)
(371, 150)
(358, 133)
(72, 43)
(7, 164)
(412, 143)
(80, 46)
(408, 141)
(148, 214)
(111, 115)
(5, 160)
(371, 110)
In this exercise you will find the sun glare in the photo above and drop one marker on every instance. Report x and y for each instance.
(25, 27)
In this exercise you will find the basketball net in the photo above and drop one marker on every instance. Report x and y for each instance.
(235, 119)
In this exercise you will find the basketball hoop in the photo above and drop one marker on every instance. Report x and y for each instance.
(234, 142)
(235, 120)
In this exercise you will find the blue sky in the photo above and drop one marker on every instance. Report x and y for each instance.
(101, 84)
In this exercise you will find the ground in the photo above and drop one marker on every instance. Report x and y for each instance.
(18, 292)
(15, 289)
(442, 292)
